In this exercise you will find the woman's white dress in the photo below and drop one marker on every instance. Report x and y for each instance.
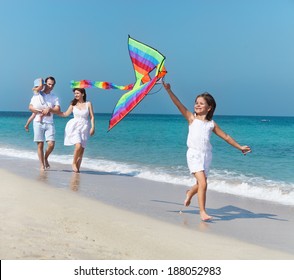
(77, 130)
(199, 154)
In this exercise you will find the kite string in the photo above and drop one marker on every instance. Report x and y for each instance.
(151, 93)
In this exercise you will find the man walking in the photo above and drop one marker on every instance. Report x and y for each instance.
(44, 129)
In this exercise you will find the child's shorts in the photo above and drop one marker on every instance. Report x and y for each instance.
(198, 161)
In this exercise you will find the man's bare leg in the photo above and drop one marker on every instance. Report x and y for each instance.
(50, 148)
(41, 155)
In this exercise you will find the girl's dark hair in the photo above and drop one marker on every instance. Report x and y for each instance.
(210, 101)
(82, 91)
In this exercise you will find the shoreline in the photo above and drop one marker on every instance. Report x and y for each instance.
(130, 218)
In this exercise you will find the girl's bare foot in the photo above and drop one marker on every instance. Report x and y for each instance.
(188, 198)
(204, 216)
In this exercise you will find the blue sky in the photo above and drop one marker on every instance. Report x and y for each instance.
(242, 52)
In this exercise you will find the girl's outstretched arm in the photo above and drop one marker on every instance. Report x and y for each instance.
(219, 132)
(185, 112)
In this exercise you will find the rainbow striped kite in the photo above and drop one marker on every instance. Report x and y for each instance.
(145, 60)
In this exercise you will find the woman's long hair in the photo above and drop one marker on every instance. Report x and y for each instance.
(83, 92)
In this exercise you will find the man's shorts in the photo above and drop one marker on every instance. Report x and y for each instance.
(44, 131)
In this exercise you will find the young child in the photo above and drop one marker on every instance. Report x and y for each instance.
(38, 86)
(199, 154)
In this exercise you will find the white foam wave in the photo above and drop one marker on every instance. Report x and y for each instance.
(219, 180)
(17, 153)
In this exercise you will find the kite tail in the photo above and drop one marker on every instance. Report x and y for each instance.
(97, 84)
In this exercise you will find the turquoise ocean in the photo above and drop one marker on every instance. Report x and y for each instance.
(153, 147)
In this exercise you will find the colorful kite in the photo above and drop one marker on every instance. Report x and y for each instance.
(145, 60)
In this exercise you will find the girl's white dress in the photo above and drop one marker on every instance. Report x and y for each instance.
(199, 154)
(77, 130)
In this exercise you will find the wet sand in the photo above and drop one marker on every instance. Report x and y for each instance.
(61, 215)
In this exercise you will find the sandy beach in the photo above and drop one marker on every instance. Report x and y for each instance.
(40, 219)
